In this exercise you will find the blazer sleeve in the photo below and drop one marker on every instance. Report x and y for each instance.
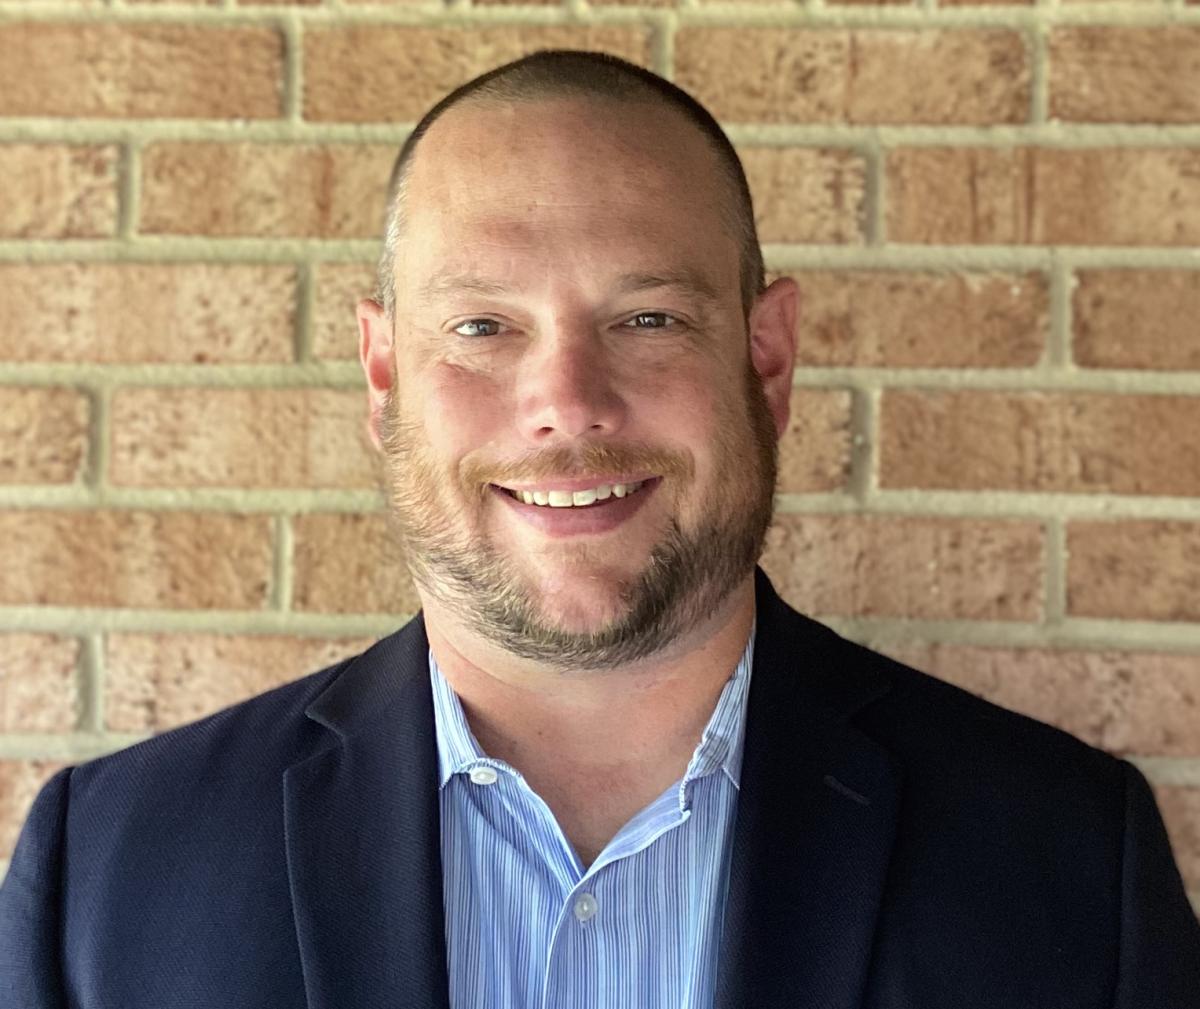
(30, 905)
(1159, 966)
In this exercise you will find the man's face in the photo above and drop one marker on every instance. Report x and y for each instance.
(569, 326)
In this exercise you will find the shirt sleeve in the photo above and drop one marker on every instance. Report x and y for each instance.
(30, 905)
(1159, 966)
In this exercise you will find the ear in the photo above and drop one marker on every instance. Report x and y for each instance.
(376, 352)
(773, 345)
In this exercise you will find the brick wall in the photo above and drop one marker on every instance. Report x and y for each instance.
(993, 469)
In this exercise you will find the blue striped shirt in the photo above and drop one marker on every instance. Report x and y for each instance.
(527, 926)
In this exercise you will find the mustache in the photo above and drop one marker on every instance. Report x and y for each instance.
(578, 461)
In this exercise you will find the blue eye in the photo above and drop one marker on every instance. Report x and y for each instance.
(652, 320)
(478, 327)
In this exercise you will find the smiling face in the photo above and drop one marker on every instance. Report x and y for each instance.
(580, 438)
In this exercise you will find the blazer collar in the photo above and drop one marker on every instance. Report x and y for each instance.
(815, 824)
(362, 826)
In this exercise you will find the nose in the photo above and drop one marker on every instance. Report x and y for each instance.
(567, 387)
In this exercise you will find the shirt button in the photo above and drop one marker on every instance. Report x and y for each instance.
(586, 907)
(484, 775)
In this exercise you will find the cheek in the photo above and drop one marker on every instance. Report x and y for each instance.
(461, 408)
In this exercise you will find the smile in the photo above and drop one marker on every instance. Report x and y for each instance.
(575, 498)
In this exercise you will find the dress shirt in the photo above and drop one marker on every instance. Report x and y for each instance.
(528, 926)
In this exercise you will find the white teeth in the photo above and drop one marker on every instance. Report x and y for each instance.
(579, 498)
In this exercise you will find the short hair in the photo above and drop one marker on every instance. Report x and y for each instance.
(557, 73)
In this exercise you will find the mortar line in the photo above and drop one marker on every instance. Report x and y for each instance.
(101, 441)
(93, 676)
(129, 189)
(1061, 283)
(292, 29)
(662, 46)
(282, 572)
(302, 335)
(864, 426)
(1055, 572)
(1039, 89)
(808, 13)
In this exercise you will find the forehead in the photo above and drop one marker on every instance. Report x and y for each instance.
(556, 176)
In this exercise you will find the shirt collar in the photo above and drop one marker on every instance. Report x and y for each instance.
(720, 745)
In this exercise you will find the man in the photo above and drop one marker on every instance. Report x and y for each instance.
(606, 766)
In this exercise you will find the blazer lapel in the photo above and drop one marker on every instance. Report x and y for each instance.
(815, 824)
(362, 831)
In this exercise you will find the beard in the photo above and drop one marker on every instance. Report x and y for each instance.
(687, 576)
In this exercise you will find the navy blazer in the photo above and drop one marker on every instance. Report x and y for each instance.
(900, 844)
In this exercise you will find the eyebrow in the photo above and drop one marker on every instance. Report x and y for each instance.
(686, 280)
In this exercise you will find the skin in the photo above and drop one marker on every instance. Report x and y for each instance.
(572, 371)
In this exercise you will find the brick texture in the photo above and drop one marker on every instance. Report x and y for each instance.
(167, 560)
(781, 75)
(338, 288)
(895, 319)
(1031, 441)
(39, 689)
(352, 74)
(347, 563)
(899, 566)
(1140, 703)
(58, 191)
(1134, 569)
(187, 313)
(177, 437)
(267, 190)
(43, 435)
(1137, 319)
(1180, 807)
(1032, 196)
(20, 782)
(814, 453)
(127, 70)
(1125, 74)
(803, 195)
(158, 681)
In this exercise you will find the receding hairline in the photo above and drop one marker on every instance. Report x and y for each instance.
(598, 79)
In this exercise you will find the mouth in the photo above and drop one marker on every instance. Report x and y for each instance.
(565, 511)
(563, 495)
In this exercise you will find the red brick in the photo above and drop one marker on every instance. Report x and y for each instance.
(1180, 808)
(814, 453)
(43, 435)
(1137, 319)
(20, 782)
(1034, 441)
(894, 319)
(139, 70)
(338, 287)
(788, 75)
(58, 191)
(268, 190)
(1134, 569)
(347, 563)
(179, 437)
(1044, 196)
(167, 560)
(353, 74)
(806, 195)
(1108, 74)
(158, 681)
(39, 689)
(907, 566)
(1141, 703)
(188, 313)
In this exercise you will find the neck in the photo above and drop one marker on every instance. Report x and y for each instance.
(632, 721)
